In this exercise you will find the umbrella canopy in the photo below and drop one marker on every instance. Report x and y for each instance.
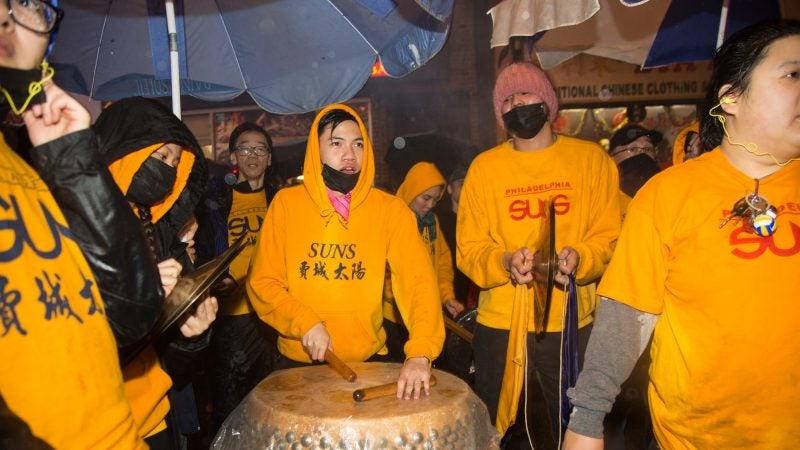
(290, 56)
(651, 33)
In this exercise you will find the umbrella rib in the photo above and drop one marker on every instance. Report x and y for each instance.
(233, 49)
(100, 44)
(354, 27)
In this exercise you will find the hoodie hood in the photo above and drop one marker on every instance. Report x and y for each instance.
(312, 166)
(420, 178)
(129, 131)
(679, 147)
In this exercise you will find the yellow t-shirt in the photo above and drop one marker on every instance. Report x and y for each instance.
(245, 218)
(501, 208)
(725, 369)
(59, 369)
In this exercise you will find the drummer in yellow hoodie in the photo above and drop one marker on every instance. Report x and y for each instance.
(318, 268)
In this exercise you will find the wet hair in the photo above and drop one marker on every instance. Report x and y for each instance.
(734, 64)
(333, 118)
(244, 128)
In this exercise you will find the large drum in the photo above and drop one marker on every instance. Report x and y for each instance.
(313, 408)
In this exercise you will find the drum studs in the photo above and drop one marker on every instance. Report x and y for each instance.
(290, 437)
(399, 441)
(325, 442)
(417, 437)
(433, 434)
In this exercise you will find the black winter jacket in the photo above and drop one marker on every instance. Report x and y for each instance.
(107, 231)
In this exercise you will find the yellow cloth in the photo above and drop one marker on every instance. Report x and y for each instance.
(502, 203)
(421, 177)
(725, 369)
(246, 217)
(59, 368)
(679, 147)
(516, 356)
(311, 265)
(146, 386)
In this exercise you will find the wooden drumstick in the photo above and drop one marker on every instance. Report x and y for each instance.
(460, 331)
(339, 366)
(382, 390)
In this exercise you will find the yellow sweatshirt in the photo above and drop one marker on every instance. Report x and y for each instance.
(421, 177)
(311, 265)
(59, 369)
(502, 203)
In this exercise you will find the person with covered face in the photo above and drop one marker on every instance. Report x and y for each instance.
(706, 264)
(633, 149)
(503, 202)
(159, 167)
(318, 269)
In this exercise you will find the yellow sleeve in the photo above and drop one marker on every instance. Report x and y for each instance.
(444, 266)
(478, 255)
(415, 287)
(268, 283)
(597, 243)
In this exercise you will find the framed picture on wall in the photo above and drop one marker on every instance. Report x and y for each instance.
(285, 130)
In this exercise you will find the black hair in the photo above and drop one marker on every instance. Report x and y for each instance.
(687, 143)
(734, 64)
(333, 118)
(243, 128)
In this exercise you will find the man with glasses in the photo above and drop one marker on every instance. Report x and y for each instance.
(243, 346)
(59, 368)
(633, 149)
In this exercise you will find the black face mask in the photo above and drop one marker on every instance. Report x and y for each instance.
(152, 182)
(15, 84)
(526, 121)
(635, 171)
(339, 181)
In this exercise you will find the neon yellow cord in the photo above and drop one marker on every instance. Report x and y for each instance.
(33, 89)
(751, 148)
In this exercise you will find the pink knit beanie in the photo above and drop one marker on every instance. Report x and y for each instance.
(523, 77)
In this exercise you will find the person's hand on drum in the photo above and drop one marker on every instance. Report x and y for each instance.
(414, 378)
(519, 265)
(454, 307)
(316, 341)
(568, 259)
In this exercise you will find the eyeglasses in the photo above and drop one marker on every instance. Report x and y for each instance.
(636, 150)
(35, 15)
(252, 151)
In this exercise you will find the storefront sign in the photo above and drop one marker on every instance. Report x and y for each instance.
(588, 79)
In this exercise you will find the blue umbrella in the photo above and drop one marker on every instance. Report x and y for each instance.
(692, 30)
(290, 56)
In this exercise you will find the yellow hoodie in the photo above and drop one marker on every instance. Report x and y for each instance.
(311, 265)
(419, 179)
(59, 369)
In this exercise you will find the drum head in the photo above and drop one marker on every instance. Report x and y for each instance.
(545, 262)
